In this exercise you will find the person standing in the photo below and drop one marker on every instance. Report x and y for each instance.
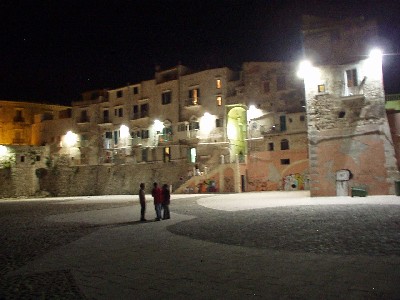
(157, 196)
(166, 200)
(142, 200)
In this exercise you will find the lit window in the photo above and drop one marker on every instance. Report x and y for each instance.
(351, 76)
(194, 96)
(219, 100)
(219, 84)
(167, 154)
(321, 88)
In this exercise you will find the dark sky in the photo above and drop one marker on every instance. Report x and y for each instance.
(52, 51)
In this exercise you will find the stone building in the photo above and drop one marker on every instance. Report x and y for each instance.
(35, 124)
(222, 124)
(350, 144)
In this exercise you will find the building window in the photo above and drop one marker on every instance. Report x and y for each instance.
(285, 161)
(219, 100)
(144, 110)
(219, 83)
(144, 154)
(145, 134)
(351, 76)
(119, 94)
(194, 125)
(282, 121)
(281, 83)
(266, 86)
(106, 116)
(119, 112)
(270, 146)
(135, 112)
(166, 97)
(302, 118)
(167, 154)
(84, 117)
(219, 123)
(135, 90)
(321, 88)
(181, 127)
(22, 158)
(194, 96)
(284, 144)
(18, 116)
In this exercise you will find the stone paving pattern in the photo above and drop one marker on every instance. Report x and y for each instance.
(95, 248)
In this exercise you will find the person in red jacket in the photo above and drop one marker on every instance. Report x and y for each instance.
(157, 196)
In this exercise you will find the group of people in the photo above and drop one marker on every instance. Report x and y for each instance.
(161, 197)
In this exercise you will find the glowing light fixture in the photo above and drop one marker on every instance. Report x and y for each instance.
(158, 125)
(374, 65)
(253, 113)
(71, 139)
(124, 131)
(206, 122)
(305, 68)
(3, 150)
(375, 54)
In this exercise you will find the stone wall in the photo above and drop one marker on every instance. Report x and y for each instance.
(64, 180)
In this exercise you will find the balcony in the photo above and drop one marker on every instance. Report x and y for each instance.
(164, 138)
(83, 120)
(19, 120)
(105, 121)
(192, 102)
(18, 141)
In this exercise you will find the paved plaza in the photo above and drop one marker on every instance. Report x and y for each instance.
(269, 245)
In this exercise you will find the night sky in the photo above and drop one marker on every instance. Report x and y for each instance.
(52, 51)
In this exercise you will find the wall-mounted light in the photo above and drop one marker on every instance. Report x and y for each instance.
(207, 123)
(70, 139)
(305, 68)
(124, 132)
(253, 113)
(158, 126)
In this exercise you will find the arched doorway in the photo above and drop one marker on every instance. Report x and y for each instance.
(236, 131)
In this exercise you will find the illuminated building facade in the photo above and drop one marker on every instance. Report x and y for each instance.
(350, 144)
(203, 118)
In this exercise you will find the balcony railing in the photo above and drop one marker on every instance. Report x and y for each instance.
(19, 120)
(84, 120)
(392, 97)
(192, 102)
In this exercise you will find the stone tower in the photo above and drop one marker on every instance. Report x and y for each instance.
(349, 138)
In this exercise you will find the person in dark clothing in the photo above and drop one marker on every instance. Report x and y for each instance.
(142, 200)
(166, 196)
(157, 196)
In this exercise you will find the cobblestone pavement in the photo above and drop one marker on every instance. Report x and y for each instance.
(253, 245)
